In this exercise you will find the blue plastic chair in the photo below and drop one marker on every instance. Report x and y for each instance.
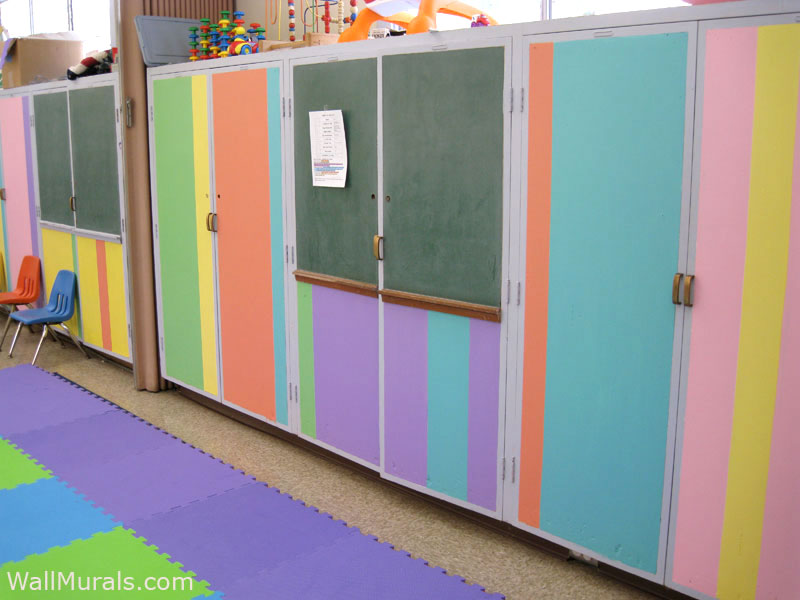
(58, 311)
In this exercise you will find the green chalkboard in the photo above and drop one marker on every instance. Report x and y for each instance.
(335, 226)
(94, 158)
(52, 157)
(443, 170)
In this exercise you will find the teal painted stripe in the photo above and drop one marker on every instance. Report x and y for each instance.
(276, 233)
(618, 132)
(448, 403)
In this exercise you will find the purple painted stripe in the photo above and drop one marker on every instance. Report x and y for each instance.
(26, 112)
(405, 342)
(346, 371)
(484, 396)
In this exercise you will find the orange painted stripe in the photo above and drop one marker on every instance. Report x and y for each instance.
(537, 266)
(243, 242)
(102, 279)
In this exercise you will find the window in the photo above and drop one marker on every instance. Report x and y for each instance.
(577, 8)
(90, 19)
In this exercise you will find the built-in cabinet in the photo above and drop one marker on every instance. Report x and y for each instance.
(216, 139)
(557, 288)
(77, 175)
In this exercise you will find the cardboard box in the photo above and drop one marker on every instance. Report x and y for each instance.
(38, 59)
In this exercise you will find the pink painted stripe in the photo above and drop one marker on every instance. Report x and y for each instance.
(779, 567)
(484, 392)
(729, 96)
(15, 172)
(406, 392)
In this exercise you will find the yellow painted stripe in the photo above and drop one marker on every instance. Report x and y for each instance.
(766, 262)
(205, 259)
(116, 299)
(57, 255)
(89, 291)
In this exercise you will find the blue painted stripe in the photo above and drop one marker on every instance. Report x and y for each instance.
(43, 514)
(276, 232)
(618, 134)
(448, 403)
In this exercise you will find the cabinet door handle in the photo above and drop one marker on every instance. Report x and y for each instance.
(2, 193)
(377, 250)
(72, 203)
(208, 221)
(676, 288)
(687, 290)
(214, 223)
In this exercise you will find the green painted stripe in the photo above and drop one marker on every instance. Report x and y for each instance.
(17, 468)
(78, 296)
(305, 334)
(276, 245)
(177, 233)
(617, 171)
(104, 555)
(448, 403)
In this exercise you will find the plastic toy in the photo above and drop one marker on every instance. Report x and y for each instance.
(423, 21)
(218, 40)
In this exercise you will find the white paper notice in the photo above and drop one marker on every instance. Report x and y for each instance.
(328, 148)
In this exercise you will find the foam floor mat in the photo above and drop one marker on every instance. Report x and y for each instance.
(90, 489)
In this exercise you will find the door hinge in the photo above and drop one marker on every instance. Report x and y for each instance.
(292, 254)
(508, 291)
(151, 112)
(296, 395)
(290, 392)
(283, 107)
(522, 100)
(33, 122)
(287, 254)
(116, 110)
(290, 108)
(162, 343)
(39, 212)
(519, 292)
(129, 331)
(156, 230)
(514, 470)
(122, 222)
(503, 469)
(511, 100)
(128, 112)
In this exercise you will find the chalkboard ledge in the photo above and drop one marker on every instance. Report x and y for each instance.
(444, 305)
(337, 283)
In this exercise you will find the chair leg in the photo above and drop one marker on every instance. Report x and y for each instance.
(41, 339)
(5, 330)
(14, 341)
(74, 339)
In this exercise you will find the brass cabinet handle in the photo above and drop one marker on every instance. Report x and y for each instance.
(214, 223)
(376, 247)
(676, 288)
(72, 203)
(208, 221)
(687, 290)
(2, 193)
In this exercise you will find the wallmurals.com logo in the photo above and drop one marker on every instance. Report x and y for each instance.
(56, 581)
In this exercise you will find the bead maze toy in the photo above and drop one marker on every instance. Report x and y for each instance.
(228, 37)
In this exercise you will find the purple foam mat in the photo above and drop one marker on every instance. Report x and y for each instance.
(356, 568)
(90, 441)
(246, 539)
(237, 534)
(31, 399)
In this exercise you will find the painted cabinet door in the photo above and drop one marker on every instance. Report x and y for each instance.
(737, 488)
(606, 132)
(54, 167)
(250, 250)
(95, 170)
(443, 155)
(338, 326)
(18, 208)
(182, 189)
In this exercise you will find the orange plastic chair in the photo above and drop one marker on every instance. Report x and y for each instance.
(29, 285)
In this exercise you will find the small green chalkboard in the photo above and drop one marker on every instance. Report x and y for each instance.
(443, 170)
(52, 157)
(335, 226)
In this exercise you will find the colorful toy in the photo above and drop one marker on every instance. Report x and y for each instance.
(424, 20)
(218, 40)
(291, 21)
(480, 21)
(326, 18)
